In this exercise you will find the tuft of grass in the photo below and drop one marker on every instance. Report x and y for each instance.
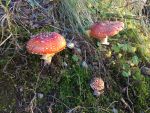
(75, 14)
(66, 88)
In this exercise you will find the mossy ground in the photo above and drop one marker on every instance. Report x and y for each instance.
(66, 87)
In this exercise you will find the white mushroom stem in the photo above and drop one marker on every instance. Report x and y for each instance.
(47, 58)
(87, 32)
(96, 93)
(104, 41)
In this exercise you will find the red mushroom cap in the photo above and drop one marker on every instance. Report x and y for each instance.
(101, 30)
(46, 43)
(97, 84)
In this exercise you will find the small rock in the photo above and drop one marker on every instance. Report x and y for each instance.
(40, 95)
(70, 45)
(97, 93)
(21, 89)
(78, 50)
(114, 110)
(84, 64)
(66, 56)
(145, 71)
(65, 64)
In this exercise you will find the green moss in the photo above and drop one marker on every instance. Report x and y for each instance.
(142, 97)
(70, 87)
(46, 85)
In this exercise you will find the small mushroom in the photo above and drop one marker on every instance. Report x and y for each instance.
(102, 30)
(46, 44)
(97, 84)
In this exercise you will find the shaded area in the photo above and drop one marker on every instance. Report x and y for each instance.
(28, 86)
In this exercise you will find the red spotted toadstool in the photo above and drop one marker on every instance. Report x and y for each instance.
(97, 84)
(102, 30)
(46, 44)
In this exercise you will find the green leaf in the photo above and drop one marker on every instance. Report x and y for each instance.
(126, 66)
(98, 44)
(126, 73)
(137, 74)
(135, 60)
(125, 47)
(8, 2)
(75, 58)
(132, 49)
(116, 49)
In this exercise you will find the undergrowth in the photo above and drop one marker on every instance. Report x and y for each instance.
(64, 85)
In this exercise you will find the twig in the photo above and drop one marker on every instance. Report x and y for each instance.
(33, 101)
(73, 109)
(126, 105)
(128, 93)
(111, 104)
(6, 39)
(148, 109)
(49, 110)
(60, 101)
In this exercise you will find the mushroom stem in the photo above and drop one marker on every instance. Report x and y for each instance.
(96, 93)
(47, 58)
(104, 41)
(87, 32)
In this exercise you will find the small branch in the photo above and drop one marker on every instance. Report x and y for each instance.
(6, 39)
(126, 105)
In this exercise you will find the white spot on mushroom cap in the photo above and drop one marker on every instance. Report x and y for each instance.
(42, 41)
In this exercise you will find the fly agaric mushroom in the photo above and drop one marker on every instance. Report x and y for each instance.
(97, 84)
(46, 44)
(102, 30)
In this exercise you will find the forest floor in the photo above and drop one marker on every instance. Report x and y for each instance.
(29, 86)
